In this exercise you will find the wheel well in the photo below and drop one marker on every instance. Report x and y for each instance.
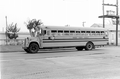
(35, 43)
(90, 42)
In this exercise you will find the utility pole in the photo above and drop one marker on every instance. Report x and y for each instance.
(6, 28)
(117, 23)
(112, 16)
(103, 14)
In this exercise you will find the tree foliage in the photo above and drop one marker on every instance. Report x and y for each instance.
(32, 25)
(12, 31)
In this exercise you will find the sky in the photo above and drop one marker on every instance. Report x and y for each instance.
(52, 12)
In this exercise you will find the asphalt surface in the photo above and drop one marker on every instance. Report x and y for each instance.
(68, 63)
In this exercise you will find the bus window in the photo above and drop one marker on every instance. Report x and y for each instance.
(53, 31)
(88, 32)
(44, 32)
(77, 32)
(98, 32)
(102, 32)
(72, 32)
(66, 32)
(60, 32)
(83, 32)
(93, 32)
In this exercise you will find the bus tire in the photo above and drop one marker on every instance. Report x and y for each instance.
(89, 46)
(33, 48)
(79, 48)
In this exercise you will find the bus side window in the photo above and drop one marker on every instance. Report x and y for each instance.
(102, 33)
(83, 32)
(98, 32)
(66, 32)
(93, 32)
(54, 32)
(77, 32)
(60, 32)
(72, 32)
(44, 32)
(88, 32)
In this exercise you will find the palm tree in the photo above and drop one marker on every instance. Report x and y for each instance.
(32, 25)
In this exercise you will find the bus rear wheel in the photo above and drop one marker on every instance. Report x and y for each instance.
(89, 46)
(33, 48)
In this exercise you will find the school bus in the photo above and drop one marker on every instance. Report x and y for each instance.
(58, 36)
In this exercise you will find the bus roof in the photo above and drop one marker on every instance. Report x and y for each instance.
(73, 28)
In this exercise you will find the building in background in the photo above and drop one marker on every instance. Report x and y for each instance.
(111, 32)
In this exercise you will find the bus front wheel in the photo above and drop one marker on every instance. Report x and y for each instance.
(89, 46)
(33, 48)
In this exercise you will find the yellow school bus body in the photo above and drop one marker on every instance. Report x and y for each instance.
(58, 36)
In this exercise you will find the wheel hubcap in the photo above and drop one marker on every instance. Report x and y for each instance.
(33, 48)
(89, 46)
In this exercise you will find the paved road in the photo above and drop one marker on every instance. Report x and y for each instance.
(101, 63)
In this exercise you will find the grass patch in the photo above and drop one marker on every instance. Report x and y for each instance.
(10, 48)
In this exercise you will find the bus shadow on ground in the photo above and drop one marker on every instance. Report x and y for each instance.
(54, 50)
(63, 50)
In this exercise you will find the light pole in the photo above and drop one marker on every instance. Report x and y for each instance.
(6, 28)
(103, 15)
(117, 23)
